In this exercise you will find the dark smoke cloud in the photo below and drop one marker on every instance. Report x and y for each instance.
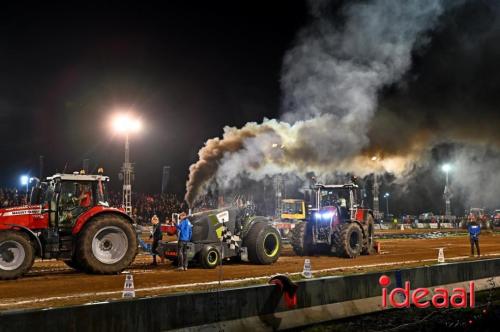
(211, 154)
(449, 101)
(395, 79)
(331, 80)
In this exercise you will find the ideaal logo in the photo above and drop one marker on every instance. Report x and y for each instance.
(439, 299)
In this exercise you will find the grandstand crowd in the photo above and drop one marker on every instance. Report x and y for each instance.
(11, 197)
(144, 205)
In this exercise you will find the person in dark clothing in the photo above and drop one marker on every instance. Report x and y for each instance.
(474, 231)
(156, 235)
(184, 232)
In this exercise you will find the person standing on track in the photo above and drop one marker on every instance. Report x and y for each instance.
(156, 235)
(184, 232)
(474, 231)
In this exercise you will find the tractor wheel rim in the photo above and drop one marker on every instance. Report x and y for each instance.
(12, 255)
(109, 245)
(271, 245)
(212, 257)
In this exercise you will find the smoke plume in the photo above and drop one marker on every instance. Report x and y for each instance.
(331, 82)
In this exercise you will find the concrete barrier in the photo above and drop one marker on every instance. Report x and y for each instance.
(248, 308)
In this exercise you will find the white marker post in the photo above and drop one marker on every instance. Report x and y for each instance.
(306, 273)
(441, 255)
(128, 287)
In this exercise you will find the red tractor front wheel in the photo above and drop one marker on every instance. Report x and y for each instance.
(16, 255)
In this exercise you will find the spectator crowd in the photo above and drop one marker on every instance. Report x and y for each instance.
(11, 197)
(145, 206)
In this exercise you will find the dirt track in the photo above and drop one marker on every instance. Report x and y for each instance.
(51, 283)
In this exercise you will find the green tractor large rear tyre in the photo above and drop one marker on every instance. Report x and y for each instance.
(263, 243)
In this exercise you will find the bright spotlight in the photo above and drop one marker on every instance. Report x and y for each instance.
(124, 123)
(24, 180)
(446, 168)
(374, 158)
(386, 195)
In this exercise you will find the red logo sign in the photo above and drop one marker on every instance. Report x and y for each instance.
(440, 299)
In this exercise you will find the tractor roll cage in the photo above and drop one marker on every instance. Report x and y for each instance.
(349, 186)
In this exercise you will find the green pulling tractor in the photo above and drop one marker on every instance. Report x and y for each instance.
(228, 234)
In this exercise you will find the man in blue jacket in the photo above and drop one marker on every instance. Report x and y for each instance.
(184, 232)
(474, 230)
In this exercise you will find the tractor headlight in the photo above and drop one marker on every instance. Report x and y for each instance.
(323, 215)
(326, 215)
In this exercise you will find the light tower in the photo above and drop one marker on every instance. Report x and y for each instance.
(278, 194)
(386, 196)
(376, 205)
(126, 125)
(447, 192)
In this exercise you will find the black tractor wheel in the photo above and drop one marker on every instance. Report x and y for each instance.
(16, 255)
(368, 242)
(301, 240)
(263, 243)
(350, 240)
(210, 257)
(106, 245)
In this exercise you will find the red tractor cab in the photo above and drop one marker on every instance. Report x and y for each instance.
(68, 218)
(339, 224)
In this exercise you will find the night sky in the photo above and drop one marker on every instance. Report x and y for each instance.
(189, 69)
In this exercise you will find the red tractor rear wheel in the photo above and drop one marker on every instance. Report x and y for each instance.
(368, 241)
(349, 240)
(16, 255)
(106, 245)
(301, 239)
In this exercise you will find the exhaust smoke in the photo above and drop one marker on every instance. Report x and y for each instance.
(331, 81)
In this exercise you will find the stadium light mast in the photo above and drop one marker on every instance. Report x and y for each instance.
(126, 125)
(447, 193)
(386, 196)
(376, 207)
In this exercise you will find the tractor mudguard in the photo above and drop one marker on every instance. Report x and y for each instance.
(97, 210)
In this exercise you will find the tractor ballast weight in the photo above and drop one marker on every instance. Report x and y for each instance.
(69, 218)
(228, 234)
(339, 224)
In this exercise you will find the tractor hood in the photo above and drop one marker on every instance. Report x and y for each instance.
(207, 225)
(20, 210)
(19, 214)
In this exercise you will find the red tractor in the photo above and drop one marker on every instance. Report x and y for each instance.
(339, 224)
(68, 218)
